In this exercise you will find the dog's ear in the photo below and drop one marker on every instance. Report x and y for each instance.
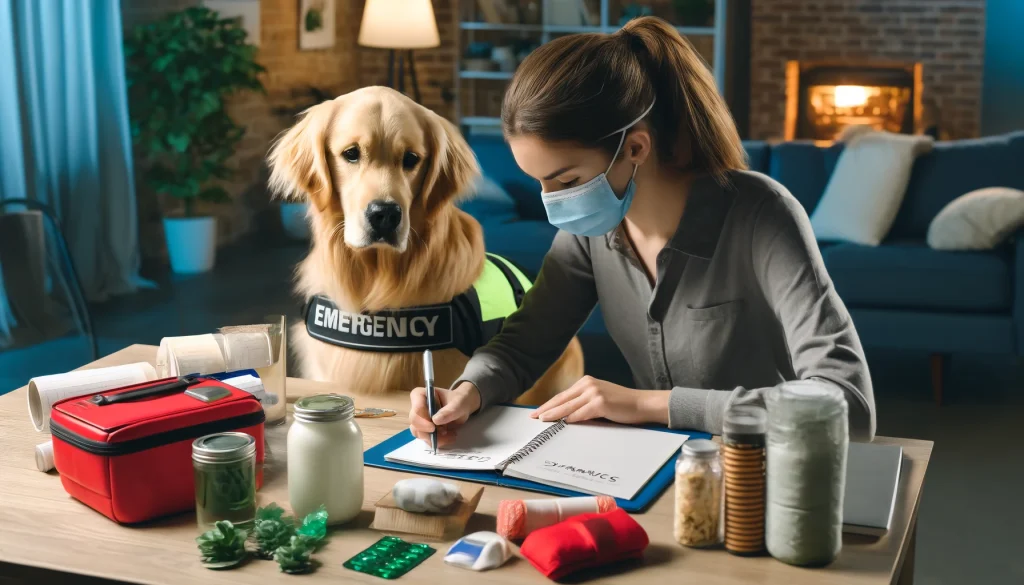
(298, 159)
(453, 166)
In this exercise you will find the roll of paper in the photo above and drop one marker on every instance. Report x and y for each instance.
(246, 346)
(46, 390)
(44, 456)
(190, 354)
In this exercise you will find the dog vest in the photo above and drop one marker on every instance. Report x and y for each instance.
(466, 323)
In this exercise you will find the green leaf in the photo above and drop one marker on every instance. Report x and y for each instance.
(161, 63)
(271, 534)
(179, 142)
(313, 528)
(294, 558)
(222, 546)
(270, 512)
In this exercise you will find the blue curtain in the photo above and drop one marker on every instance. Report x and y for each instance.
(64, 134)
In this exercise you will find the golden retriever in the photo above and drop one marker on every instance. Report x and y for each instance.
(382, 175)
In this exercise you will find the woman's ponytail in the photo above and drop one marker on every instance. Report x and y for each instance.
(696, 121)
(580, 88)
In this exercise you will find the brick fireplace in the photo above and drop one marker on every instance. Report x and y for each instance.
(945, 37)
(822, 99)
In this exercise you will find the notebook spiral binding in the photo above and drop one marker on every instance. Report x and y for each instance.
(534, 444)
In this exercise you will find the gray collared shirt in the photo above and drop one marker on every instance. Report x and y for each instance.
(742, 303)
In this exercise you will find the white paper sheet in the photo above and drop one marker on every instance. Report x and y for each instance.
(599, 458)
(46, 390)
(254, 386)
(486, 441)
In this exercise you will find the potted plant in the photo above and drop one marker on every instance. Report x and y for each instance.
(180, 70)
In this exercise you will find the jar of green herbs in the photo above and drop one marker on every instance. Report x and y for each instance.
(225, 478)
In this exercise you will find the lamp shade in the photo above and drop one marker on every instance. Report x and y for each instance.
(398, 24)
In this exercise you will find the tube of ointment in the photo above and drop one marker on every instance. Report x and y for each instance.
(518, 518)
(44, 456)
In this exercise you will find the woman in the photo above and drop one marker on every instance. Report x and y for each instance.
(708, 275)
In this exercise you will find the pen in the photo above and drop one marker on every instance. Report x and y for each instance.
(428, 373)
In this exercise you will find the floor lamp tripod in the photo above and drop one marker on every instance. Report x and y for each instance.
(396, 77)
(400, 26)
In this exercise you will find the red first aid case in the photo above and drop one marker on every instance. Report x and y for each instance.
(127, 453)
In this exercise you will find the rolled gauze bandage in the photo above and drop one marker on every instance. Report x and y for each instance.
(46, 390)
(190, 354)
(244, 348)
(518, 518)
(44, 456)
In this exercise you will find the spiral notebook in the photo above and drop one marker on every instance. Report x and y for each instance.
(593, 457)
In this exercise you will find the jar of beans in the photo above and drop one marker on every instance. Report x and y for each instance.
(698, 494)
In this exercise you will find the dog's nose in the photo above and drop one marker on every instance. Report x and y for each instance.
(383, 217)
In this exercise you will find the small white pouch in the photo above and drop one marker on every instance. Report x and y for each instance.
(479, 551)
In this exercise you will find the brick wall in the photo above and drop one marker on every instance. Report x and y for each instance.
(946, 36)
(289, 72)
(434, 67)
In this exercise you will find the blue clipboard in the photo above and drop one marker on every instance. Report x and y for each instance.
(374, 457)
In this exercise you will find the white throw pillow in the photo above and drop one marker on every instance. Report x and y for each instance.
(979, 220)
(867, 187)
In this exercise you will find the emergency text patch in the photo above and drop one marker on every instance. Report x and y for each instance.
(393, 330)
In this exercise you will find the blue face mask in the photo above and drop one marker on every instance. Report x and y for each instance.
(592, 209)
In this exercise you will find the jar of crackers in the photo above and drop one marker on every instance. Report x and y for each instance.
(743, 462)
(698, 494)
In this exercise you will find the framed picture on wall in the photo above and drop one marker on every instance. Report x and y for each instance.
(316, 24)
(247, 10)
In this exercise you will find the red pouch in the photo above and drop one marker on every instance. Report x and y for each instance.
(583, 542)
(127, 453)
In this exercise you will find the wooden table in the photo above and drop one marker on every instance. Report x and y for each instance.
(47, 537)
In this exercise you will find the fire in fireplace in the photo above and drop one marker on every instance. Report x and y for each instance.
(824, 98)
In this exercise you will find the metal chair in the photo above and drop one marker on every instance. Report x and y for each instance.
(41, 297)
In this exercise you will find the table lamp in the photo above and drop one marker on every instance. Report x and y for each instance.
(400, 26)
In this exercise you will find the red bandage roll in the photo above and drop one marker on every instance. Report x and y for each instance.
(518, 518)
(583, 542)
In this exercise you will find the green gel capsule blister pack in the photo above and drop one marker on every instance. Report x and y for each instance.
(389, 558)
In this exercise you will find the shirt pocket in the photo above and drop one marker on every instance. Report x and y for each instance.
(717, 343)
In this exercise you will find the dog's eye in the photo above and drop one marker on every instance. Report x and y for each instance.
(410, 160)
(351, 154)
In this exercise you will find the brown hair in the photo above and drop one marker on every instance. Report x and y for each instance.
(579, 88)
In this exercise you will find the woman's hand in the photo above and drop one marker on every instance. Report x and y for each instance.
(455, 406)
(591, 398)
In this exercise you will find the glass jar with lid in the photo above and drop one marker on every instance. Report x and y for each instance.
(698, 487)
(808, 438)
(224, 469)
(325, 458)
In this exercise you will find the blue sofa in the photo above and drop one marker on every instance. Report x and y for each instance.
(901, 294)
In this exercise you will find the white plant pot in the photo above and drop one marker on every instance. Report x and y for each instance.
(191, 243)
(294, 221)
